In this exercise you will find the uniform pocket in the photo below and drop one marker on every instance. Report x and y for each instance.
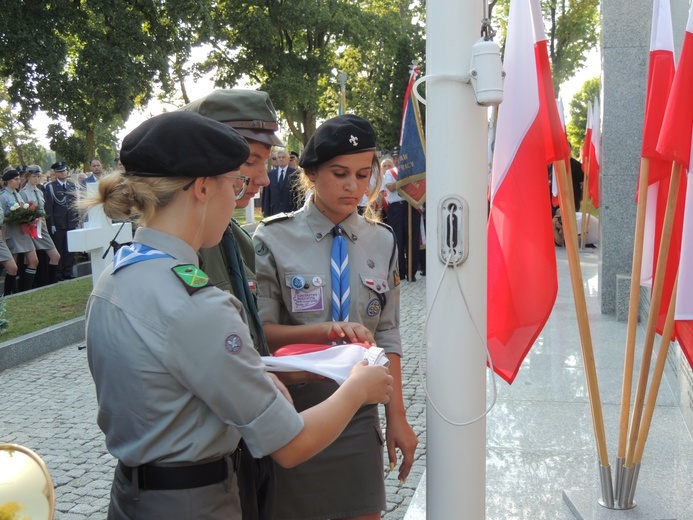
(306, 295)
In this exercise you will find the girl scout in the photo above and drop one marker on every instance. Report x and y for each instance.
(327, 274)
(18, 241)
(31, 193)
(178, 381)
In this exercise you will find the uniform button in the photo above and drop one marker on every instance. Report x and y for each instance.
(354, 238)
(318, 236)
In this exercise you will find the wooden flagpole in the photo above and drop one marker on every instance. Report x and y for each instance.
(631, 330)
(585, 190)
(657, 288)
(571, 244)
(409, 246)
(654, 389)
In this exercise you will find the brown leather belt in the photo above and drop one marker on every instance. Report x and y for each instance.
(150, 476)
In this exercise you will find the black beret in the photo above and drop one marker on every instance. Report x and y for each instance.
(340, 135)
(9, 175)
(182, 144)
(60, 166)
(249, 112)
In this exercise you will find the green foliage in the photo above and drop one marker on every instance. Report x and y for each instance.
(36, 310)
(578, 114)
(294, 51)
(89, 64)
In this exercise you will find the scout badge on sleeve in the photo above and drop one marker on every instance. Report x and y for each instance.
(192, 277)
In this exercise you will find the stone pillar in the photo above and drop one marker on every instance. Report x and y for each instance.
(626, 27)
(625, 49)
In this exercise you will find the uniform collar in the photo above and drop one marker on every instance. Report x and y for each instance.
(321, 226)
(174, 246)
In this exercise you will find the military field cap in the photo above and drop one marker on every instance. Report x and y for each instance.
(9, 175)
(182, 144)
(60, 166)
(249, 112)
(340, 135)
(33, 168)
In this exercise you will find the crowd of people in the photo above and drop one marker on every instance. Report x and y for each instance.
(38, 211)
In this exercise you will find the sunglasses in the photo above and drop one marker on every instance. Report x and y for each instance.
(238, 191)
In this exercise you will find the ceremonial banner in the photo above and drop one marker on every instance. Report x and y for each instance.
(411, 179)
(522, 279)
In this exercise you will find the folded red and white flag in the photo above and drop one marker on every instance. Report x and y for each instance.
(332, 361)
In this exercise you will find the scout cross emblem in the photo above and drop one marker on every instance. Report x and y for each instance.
(354, 140)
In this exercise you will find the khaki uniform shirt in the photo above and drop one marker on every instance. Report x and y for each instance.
(177, 377)
(294, 251)
(215, 262)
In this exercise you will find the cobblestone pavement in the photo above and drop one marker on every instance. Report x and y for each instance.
(49, 406)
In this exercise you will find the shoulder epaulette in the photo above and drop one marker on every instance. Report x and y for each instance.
(193, 278)
(279, 217)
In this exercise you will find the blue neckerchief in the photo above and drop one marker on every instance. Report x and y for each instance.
(134, 253)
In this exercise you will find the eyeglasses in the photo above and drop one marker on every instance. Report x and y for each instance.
(235, 178)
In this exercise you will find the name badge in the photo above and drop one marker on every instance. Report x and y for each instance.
(307, 301)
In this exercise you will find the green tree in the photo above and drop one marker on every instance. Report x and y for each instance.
(95, 61)
(381, 70)
(294, 51)
(578, 114)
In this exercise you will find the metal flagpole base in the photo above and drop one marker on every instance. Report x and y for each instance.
(620, 462)
(607, 499)
(625, 500)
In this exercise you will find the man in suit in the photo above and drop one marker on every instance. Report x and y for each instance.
(61, 195)
(281, 194)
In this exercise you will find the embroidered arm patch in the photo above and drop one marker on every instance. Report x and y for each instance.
(192, 278)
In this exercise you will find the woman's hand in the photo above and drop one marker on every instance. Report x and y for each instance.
(400, 435)
(350, 332)
(373, 381)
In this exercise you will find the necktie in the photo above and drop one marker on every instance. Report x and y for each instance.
(281, 175)
(340, 276)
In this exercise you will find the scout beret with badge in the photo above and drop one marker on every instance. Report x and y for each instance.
(182, 144)
(9, 175)
(341, 135)
(249, 112)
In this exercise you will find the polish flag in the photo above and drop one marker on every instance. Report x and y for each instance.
(522, 279)
(675, 144)
(588, 138)
(594, 155)
(661, 72)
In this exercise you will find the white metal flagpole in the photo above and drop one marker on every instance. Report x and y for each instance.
(456, 209)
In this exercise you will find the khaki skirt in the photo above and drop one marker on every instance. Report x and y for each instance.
(345, 479)
(17, 241)
(5, 253)
(45, 242)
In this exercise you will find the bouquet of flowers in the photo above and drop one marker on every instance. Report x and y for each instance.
(27, 215)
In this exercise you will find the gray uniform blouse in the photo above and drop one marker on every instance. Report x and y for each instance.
(177, 377)
(297, 247)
